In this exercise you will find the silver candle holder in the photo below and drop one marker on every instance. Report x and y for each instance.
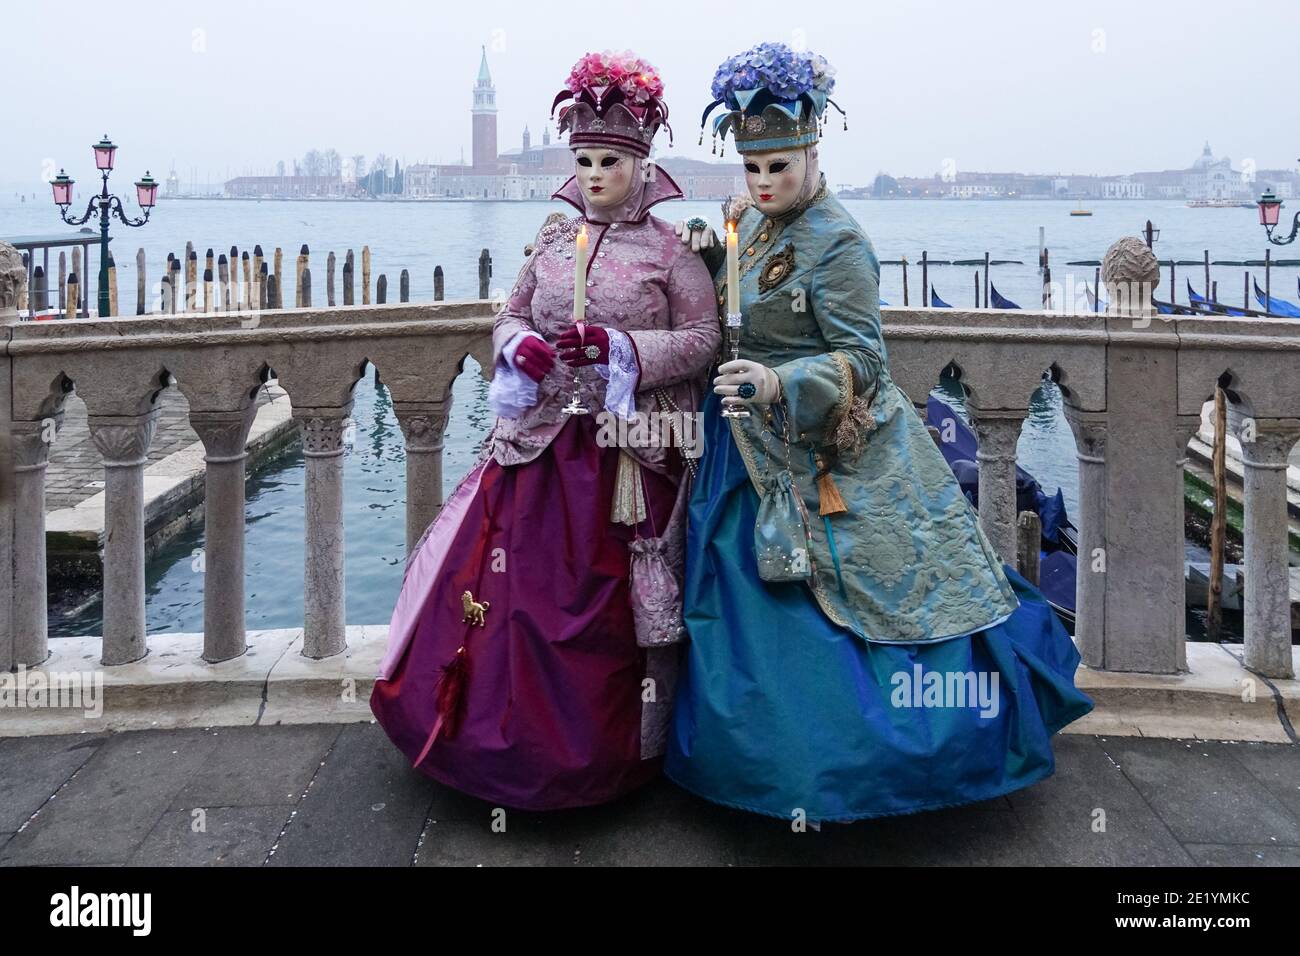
(575, 406)
(734, 322)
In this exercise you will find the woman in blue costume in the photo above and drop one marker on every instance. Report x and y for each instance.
(856, 646)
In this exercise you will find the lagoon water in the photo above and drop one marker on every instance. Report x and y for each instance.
(418, 236)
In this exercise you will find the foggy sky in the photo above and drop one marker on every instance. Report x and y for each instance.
(1085, 87)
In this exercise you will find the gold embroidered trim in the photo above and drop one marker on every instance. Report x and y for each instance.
(846, 390)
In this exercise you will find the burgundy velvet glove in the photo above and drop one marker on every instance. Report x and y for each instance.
(534, 357)
(573, 350)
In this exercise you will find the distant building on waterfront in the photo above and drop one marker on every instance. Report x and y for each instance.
(1207, 178)
(1123, 187)
(289, 187)
(1214, 178)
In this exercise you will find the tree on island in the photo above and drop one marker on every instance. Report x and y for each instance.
(381, 182)
(884, 186)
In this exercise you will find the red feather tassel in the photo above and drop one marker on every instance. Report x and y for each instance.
(451, 692)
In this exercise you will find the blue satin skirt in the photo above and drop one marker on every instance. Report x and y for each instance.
(782, 712)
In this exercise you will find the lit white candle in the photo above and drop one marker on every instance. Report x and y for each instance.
(580, 277)
(733, 270)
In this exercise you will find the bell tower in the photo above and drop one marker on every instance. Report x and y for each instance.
(484, 115)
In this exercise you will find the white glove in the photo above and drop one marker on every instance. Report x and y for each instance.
(738, 371)
(696, 239)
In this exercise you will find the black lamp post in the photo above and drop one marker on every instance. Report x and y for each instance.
(146, 192)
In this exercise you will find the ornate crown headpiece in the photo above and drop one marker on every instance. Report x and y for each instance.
(775, 98)
(617, 103)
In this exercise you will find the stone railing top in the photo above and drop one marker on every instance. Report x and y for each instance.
(1000, 353)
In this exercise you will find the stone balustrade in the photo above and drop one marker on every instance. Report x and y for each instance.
(1133, 384)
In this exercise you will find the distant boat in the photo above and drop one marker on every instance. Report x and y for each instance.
(1275, 305)
(1219, 204)
(1080, 211)
(1000, 301)
(936, 302)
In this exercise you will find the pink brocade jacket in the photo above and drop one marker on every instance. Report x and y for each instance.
(641, 280)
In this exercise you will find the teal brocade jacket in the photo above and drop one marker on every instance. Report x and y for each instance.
(907, 561)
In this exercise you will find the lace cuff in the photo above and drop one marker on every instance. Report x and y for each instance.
(622, 373)
(511, 392)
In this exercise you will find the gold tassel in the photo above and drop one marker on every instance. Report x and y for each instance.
(628, 505)
(830, 502)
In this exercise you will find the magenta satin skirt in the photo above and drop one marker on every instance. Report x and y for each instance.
(551, 711)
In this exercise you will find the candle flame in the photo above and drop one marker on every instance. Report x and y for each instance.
(582, 231)
(731, 227)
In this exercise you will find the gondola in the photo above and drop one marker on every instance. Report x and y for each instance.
(1058, 562)
(1000, 301)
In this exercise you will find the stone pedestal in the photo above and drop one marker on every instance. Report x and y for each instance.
(1145, 622)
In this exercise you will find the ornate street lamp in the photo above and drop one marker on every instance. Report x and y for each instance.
(146, 192)
(1269, 209)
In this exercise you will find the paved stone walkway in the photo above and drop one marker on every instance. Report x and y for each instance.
(322, 794)
(76, 470)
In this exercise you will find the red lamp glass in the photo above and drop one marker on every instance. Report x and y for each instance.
(1269, 208)
(62, 184)
(146, 191)
(104, 151)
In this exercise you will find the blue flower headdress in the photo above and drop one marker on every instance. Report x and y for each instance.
(775, 98)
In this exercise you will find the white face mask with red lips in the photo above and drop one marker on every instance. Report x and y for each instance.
(605, 176)
(780, 179)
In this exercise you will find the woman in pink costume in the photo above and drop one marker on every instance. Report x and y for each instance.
(532, 652)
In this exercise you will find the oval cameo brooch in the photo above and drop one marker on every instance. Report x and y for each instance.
(777, 269)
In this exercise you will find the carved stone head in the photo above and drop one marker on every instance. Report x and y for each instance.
(1131, 273)
(13, 278)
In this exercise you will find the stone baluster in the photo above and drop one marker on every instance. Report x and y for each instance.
(423, 425)
(998, 433)
(1185, 428)
(123, 441)
(1090, 577)
(30, 444)
(224, 435)
(1267, 604)
(13, 280)
(324, 605)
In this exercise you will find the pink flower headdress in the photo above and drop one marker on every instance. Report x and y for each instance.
(617, 103)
